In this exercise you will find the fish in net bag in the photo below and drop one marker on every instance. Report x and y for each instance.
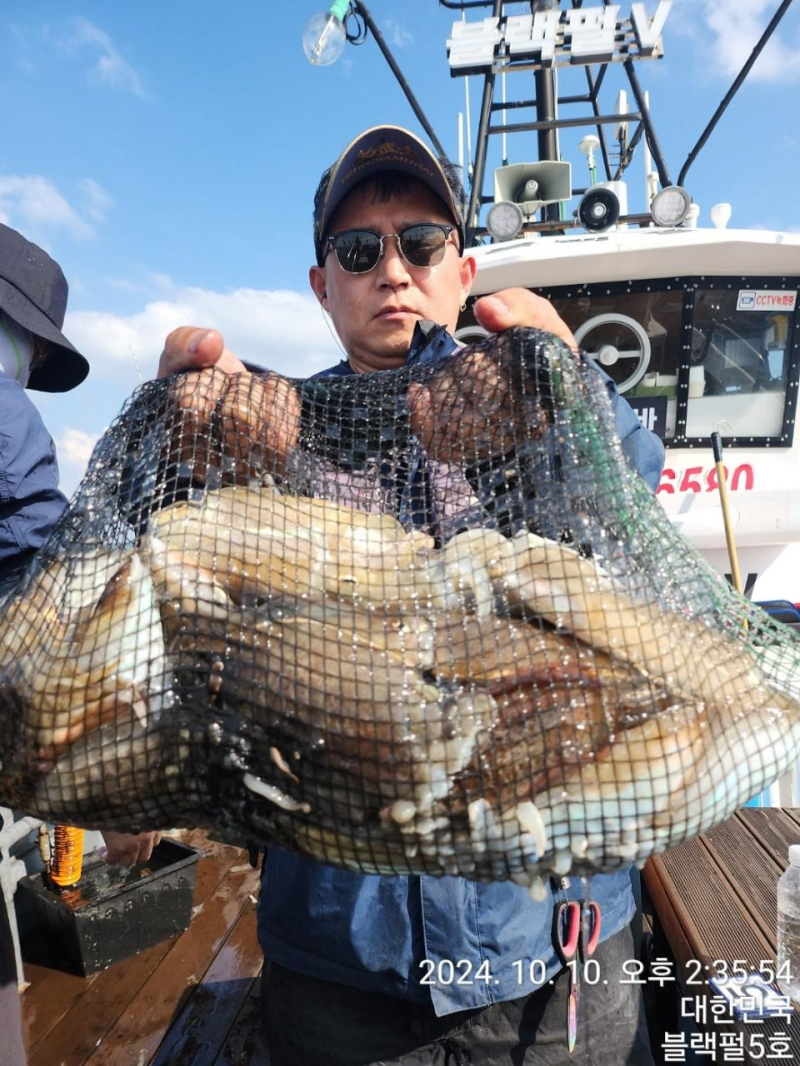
(426, 620)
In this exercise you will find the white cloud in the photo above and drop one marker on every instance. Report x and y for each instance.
(75, 445)
(398, 35)
(74, 449)
(97, 201)
(128, 286)
(280, 330)
(108, 66)
(23, 60)
(35, 201)
(738, 26)
(163, 283)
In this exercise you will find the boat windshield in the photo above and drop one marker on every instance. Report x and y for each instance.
(694, 355)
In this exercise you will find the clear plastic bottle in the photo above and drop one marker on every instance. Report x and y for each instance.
(789, 927)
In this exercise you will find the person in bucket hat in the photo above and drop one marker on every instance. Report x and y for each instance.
(34, 354)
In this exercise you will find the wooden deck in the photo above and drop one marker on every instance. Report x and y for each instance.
(714, 898)
(194, 1000)
(190, 1001)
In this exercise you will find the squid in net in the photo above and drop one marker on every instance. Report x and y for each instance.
(547, 680)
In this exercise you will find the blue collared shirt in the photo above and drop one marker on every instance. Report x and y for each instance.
(30, 500)
(485, 943)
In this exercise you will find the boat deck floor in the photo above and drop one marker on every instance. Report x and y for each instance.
(192, 1000)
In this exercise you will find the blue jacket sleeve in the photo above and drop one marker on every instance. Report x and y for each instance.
(30, 500)
(644, 450)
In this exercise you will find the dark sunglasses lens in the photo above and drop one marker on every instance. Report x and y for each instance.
(357, 250)
(423, 246)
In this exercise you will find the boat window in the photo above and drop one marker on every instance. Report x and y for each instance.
(695, 355)
(635, 337)
(739, 367)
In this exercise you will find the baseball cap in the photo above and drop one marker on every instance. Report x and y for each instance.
(379, 149)
(33, 292)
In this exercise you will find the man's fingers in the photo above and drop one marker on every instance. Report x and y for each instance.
(519, 307)
(194, 348)
(195, 398)
(280, 420)
(230, 363)
(260, 420)
(147, 842)
(420, 413)
(125, 849)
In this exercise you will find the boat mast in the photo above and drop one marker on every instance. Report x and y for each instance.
(545, 83)
(546, 108)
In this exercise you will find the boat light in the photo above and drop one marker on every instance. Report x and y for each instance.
(598, 209)
(670, 206)
(504, 220)
(324, 37)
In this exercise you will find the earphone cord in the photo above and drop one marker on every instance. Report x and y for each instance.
(332, 331)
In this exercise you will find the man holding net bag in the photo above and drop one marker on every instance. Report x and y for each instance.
(359, 967)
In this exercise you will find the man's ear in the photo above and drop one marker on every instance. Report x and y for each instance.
(316, 277)
(468, 268)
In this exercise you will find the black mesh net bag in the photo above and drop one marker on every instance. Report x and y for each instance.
(428, 620)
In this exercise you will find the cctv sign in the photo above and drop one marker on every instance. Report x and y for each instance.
(766, 300)
(548, 38)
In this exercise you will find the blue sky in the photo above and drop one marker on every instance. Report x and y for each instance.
(167, 155)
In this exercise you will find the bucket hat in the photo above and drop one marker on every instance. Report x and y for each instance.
(33, 292)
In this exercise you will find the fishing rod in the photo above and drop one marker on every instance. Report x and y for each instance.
(722, 487)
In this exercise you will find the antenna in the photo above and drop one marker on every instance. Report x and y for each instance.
(505, 135)
(650, 175)
(588, 146)
(469, 119)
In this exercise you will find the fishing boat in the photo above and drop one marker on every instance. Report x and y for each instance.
(699, 328)
(697, 325)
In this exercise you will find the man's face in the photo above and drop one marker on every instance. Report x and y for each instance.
(375, 313)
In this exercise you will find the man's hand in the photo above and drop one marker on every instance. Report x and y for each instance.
(256, 417)
(193, 348)
(519, 307)
(125, 849)
(467, 412)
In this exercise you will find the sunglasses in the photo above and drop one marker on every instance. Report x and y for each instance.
(360, 250)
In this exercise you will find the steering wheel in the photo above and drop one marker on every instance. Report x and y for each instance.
(470, 334)
(631, 361)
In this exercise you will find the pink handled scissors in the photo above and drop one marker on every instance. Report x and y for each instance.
(576, 935)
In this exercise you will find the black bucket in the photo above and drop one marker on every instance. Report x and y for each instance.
(114, 912)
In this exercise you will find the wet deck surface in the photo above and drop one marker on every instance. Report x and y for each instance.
(715, 897)
(193, 1000)
(189, 1001)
